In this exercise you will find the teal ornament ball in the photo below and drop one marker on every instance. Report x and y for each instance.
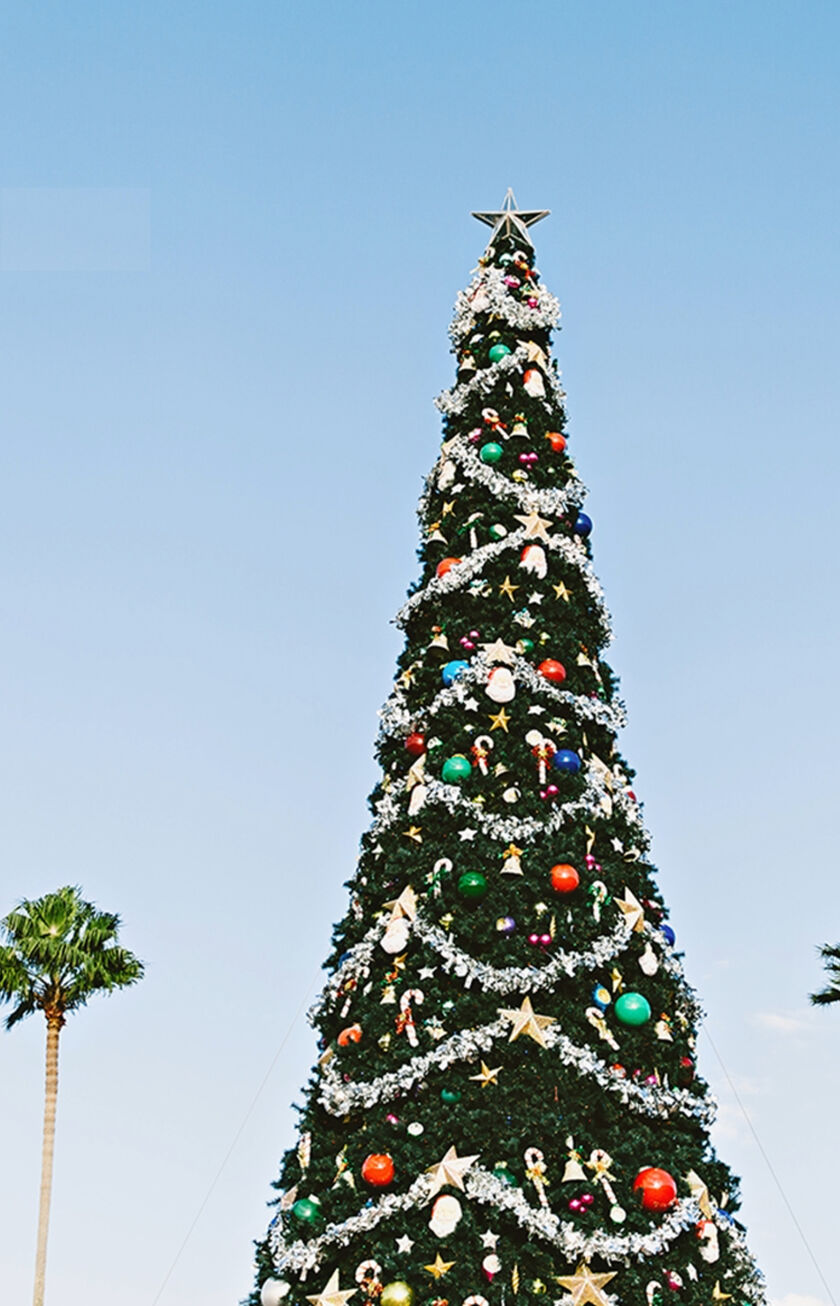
(490, 452)
(456, 768)
(632, 1009)
(472, 885)
(450, 1096)
(306, 1211)
(497, 352)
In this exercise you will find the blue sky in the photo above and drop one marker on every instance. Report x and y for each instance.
(230, 238)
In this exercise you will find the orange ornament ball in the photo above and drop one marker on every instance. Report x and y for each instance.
(352, 1034)
(657, 1189)
(552, 671)
(378, 1170)
(445, 565)
(556, 440)
(564, 878)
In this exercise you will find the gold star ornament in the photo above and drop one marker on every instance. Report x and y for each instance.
(450, 1171)
(508, 588)
(526, 1021)
(585, 1286)
(500, 721)
(487, 1076)
(536, 527)
(499, 651)
(632, 909)
(439, 1267)
(332, 1295)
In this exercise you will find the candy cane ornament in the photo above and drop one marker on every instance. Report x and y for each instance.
(600, 1162)
(598, 894)
(481, 750)
(405, 1020)
(535, 1171)
(543, 750)
(442, 867)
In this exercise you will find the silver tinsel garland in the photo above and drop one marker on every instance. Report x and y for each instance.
(571, 550)
(498, 301)
(397, 718)
(501, 979)
(461, 453)
(452, 402)
(485, 1188)
(595, 800)
(652, 1100)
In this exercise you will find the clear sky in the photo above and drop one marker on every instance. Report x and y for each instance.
(230, 238)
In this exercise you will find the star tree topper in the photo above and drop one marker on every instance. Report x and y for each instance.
(510, 220)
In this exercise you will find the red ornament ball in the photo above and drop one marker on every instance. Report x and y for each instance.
(553, 671)
(556, 440)
(657, 1189)
(416, 744)
(445, 565)
(564, 878)
(378, 1170)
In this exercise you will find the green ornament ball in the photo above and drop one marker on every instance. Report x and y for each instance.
(472, 885)
(632, 1009)
(525, 645)
(497, 531)
(497, 352)
(501, 1172)
(490, 453)
(456, 768)
(306, 1211)
(450, 1096)
(398, 1293)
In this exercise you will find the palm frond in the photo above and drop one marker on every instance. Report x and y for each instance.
(57, 951)
(830, 953)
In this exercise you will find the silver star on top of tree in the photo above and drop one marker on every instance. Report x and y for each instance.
(510, 220)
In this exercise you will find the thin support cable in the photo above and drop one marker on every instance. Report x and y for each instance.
(238, 1135)
(769, 1165)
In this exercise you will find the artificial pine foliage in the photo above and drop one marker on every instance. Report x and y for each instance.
(506, 1106)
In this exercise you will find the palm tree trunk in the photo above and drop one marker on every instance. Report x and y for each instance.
(54, 1023)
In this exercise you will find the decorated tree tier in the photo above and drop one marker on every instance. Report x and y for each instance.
(506, 1106)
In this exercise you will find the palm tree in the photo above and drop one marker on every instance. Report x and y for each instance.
(55, 953)
(830, 952)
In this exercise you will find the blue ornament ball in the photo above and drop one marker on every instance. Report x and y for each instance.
(583, 525)
(601, 997)
(450, 673)
(565, 759)
(668, 934)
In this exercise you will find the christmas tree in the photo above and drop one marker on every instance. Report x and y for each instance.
(506, 1107)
